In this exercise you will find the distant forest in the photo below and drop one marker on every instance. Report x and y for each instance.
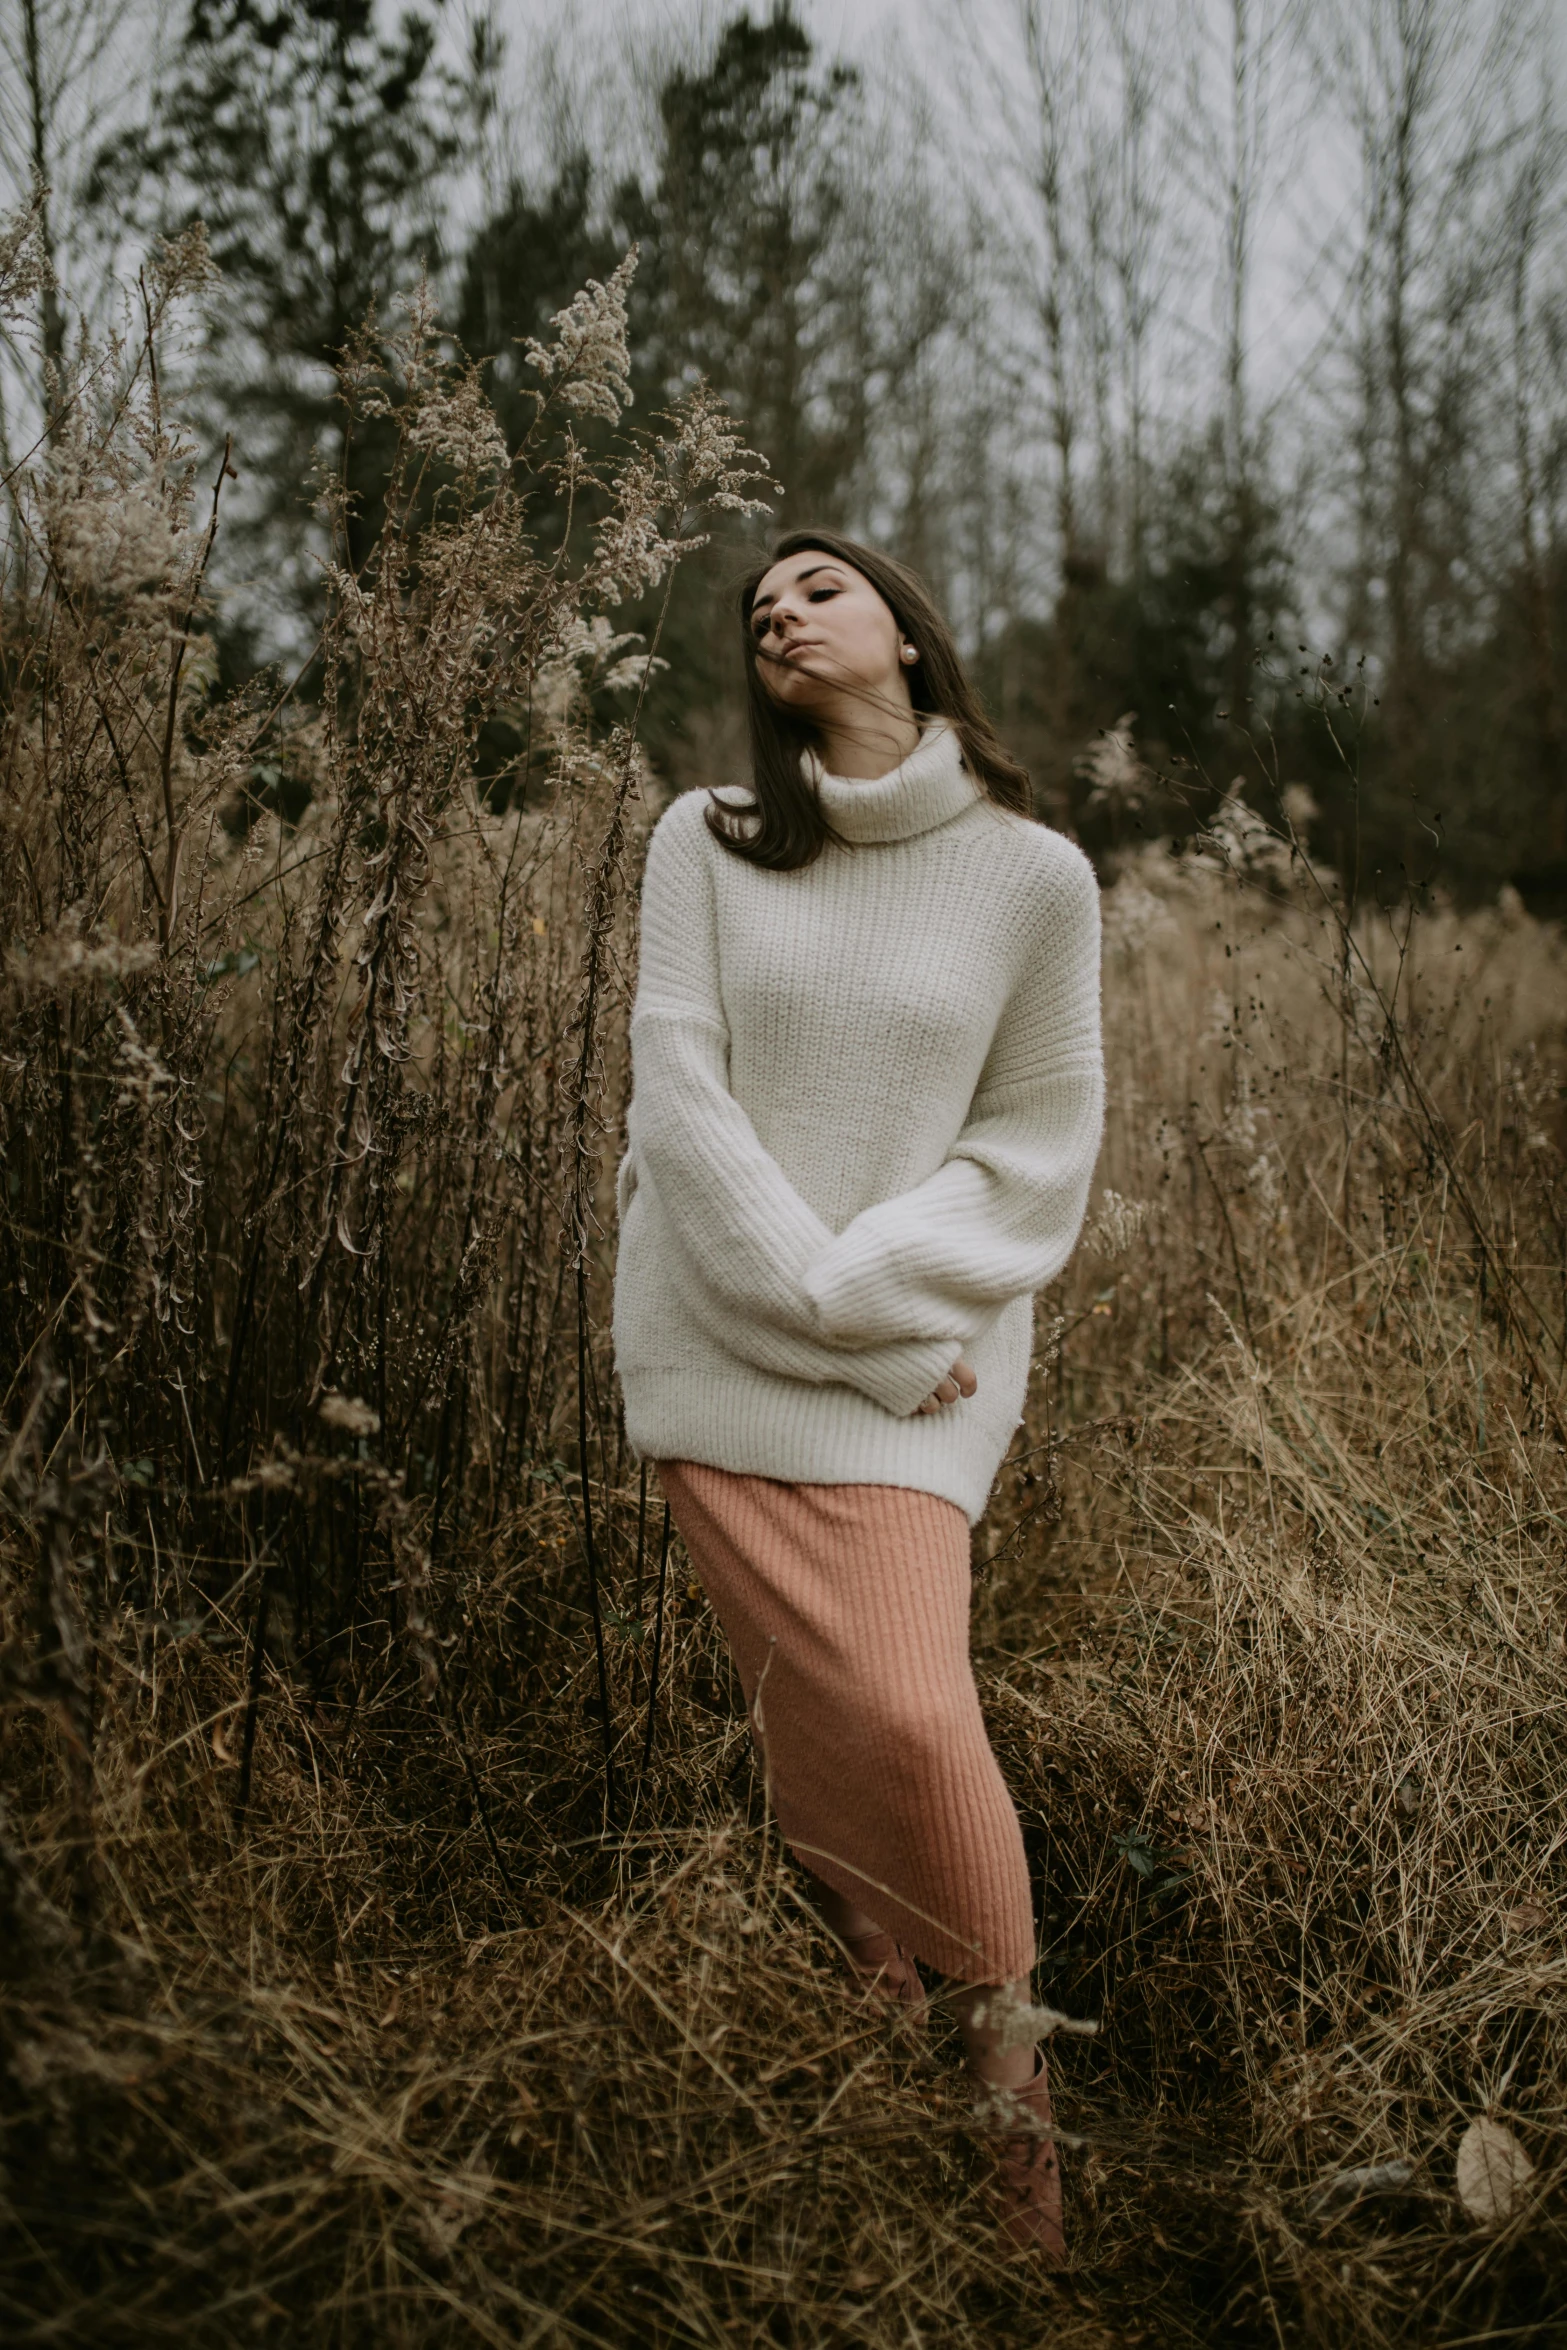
(1209, 356)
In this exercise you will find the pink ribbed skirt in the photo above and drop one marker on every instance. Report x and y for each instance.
(846, 1608)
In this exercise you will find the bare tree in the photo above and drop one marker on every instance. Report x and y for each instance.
(33, 80)
(1027, 108)
(70, 71)
(1068, 107)
(1237, 144)
(1137, 146)
(1424, 85)
(1056, 67)
(1534, 224)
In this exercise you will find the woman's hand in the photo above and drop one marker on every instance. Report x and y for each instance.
(960, 1380)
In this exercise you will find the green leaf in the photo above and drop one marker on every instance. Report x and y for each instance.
(1159, 1871)
(1136, 1851)
(236, 964)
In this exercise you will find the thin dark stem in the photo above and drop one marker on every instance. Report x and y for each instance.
(1235, 1254)
(658, 1640)
(641, 1539)
(258, 1642)
(589, 1546)
(601, 903)
(454, 1723)
(176, 664)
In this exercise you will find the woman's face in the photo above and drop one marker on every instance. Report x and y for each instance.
(823, 635)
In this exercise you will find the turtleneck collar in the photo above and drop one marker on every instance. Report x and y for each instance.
(931, 787)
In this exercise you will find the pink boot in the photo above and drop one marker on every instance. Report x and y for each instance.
(1029, 2176)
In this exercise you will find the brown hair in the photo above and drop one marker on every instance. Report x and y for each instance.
(785, 827)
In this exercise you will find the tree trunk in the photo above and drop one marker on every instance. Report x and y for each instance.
(38, 122)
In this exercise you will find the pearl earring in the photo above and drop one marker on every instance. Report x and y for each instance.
(910, 653)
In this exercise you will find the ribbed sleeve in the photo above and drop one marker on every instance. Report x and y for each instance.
(1002, 1213)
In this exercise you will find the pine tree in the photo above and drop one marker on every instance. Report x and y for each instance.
(315, 148)
(753, 279)
(525, 262)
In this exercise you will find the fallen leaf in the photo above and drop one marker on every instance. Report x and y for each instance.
(1492, 2172)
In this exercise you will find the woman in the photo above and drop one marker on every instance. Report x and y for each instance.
(867, 1099)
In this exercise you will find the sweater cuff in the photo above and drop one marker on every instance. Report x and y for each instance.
(900, 1377)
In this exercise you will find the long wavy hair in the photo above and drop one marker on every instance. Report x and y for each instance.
(784, 827)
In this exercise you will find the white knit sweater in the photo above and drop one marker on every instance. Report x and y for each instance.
(866, 1104)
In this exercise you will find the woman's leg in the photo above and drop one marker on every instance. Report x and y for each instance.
(874, 1957)
(1002, 2056)
(985, 2013)
(840, 1916)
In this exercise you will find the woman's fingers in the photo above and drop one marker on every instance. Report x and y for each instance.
(962, 1379)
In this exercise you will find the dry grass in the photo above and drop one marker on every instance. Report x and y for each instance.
(333, 2008)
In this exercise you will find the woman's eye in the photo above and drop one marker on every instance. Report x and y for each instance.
(820, 595)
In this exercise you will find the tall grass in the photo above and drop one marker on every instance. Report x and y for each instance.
(360, 1979)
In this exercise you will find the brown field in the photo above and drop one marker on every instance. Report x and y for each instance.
(334, 2006)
